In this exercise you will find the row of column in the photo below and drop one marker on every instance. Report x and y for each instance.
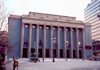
(51, 48)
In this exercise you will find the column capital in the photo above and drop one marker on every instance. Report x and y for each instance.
(58, 28)
(37, 25)
(64, 28)
(44, 26)
(70, 28)
(76, 29)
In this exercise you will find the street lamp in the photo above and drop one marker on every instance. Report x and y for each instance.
(53, 45)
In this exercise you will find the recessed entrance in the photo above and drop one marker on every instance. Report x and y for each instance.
(80, 53)
(74, 55)
(54, 53)
(40, 53)
(61, 53)
(47, 53)
(67, 53)
(24, 52)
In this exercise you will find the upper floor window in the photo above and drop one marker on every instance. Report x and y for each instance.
(66, 29)
(60, 28)
(40, 27)
(33, 26)
(54, 28)
(26, 25)
(47, 27)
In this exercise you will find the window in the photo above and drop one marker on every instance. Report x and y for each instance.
(40, 27)
(60, 28)
(33, 26)
(53, 28)
(26, 25)
(47, 27)
(66, 29)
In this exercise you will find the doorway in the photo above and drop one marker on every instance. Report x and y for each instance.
(54, 53)
(67, 53)
(61, 53)
(24, 52)
(47, 53)
(40, 53)
(80, 53)
(74, 55)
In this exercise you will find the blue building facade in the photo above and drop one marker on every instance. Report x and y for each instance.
(48, 35)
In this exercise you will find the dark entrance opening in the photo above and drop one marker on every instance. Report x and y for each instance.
(24, 52)
(54, 53)
(80, 54)
(40, 53)
(74, 55)
(61, 53)
(67, 53)
(47, 53)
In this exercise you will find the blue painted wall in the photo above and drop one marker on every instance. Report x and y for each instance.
(48, 39)
(41, 36)
(26, 35)
(74, 39)
(14, 36)
(61, 39)
(55, 35)
(33, 36)
(80, 38)
(68, 36)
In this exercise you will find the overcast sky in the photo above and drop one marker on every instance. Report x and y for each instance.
(73, 8)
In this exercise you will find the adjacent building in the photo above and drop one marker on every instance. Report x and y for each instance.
(48, 35)
(91, 12)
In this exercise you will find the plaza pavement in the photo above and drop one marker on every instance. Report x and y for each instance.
(59, 64)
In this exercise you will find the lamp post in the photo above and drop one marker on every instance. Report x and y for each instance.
(66, 46)
(53, 45)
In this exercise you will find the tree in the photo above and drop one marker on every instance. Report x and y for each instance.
(4, 27)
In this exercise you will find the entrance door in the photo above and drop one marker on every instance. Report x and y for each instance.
(54, 53)
(67, 53)
(61, 53)
(47, 53)
(40, 53)
(24, 52)
(80, 54)
(74, 55)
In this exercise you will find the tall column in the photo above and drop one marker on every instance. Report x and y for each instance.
(51, 48)
(58, 41)
(64, 42)
(37, 38)
(83, 42)
(22, 41)
(71, 43)
(44, 45)
(30, 40)
(77, 45)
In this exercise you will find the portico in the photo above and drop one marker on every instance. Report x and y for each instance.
(52, 25)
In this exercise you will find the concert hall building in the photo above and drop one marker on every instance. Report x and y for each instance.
(48, 35)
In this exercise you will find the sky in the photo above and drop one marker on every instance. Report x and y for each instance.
(74, 8)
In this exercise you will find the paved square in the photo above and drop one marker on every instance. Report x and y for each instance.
(59, 65)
